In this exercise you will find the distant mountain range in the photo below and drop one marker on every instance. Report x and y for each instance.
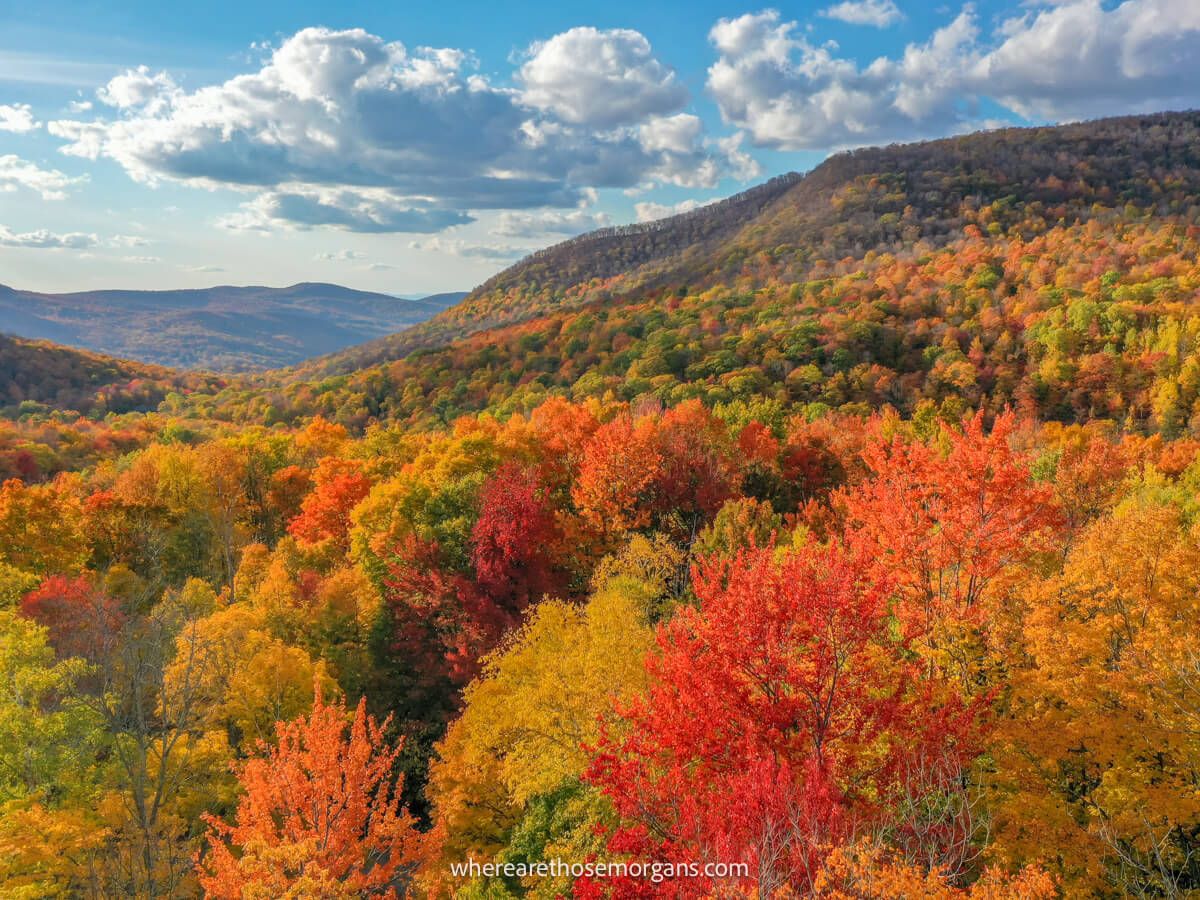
(225, 329)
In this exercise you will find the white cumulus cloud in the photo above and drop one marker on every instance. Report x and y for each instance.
(17, 117)
(365, 210)
(139, 89)
(649, 211)
(876, 13)
(789, 93)
(51, 184)
(344, 129)
(495, 252)
(1078, 60)
(1057, 61)
(534, 224)
(602, 78)
(47, 240)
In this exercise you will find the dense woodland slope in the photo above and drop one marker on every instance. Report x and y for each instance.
(858, 545)
(223, 329)
(1049, 268)
(39, 376)
(1017, 181)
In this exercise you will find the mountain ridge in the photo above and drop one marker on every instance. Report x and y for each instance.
(228, 328)
(389, 347)
(870, 199)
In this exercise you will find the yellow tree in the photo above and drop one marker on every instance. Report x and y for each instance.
(244, 678)
(41, 528)
(161, 765)
(528, 718)
(48, 745)
(865, 871)
(225, 470)
(1100, 754)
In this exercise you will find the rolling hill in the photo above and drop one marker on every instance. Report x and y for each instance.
(885, 199)
(224, 328)
(36, 375)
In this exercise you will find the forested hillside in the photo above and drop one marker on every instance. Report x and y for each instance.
(1018, 182)
(1074, 324)
(857, 547)
(38, 376)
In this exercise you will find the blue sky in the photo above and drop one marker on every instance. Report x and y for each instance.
(412, 148)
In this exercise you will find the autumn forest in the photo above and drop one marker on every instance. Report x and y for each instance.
(848, 529)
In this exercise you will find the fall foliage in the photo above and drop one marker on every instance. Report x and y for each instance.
(858, 546)
(320, 816)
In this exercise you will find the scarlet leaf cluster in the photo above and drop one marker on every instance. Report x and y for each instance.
(779, 717)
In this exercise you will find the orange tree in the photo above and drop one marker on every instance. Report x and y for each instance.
(320, 816)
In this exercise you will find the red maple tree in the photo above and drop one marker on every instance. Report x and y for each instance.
(780, 715)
